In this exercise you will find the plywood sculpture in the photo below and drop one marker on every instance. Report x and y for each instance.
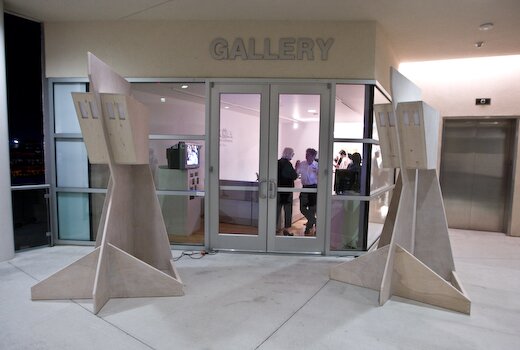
(413, 259)
(132, 256)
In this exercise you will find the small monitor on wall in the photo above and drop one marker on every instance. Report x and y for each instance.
(183, 156)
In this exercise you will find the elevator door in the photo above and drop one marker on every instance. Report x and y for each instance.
(476, 173)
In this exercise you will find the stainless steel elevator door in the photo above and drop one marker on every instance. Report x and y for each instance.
(475, 173)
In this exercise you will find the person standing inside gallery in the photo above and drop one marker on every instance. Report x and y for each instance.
(286, 177)
(308, 171)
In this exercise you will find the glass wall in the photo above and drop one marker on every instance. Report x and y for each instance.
(360, 186)
(177, 117)
(360, 189)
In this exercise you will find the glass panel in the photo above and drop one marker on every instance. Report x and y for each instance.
(346, 229)
(174, 108)
(349, 114)
(30, 218)
(74, 216)
(97, 200)
(299, 120)
(71, 164)
(187, 156)
(379, 177)
(346, 172)
(99, 174)
(377, 215)
(183, 218)
(65, 119)
(239, 163)
(379, 98)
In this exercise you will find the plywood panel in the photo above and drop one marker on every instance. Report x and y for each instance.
(365, 271)
(414, 280)
(91, 125)
(72, 282)
(432, 241)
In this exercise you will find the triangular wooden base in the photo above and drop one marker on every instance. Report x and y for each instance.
(110, 274)
(410, 279)
(416, 219)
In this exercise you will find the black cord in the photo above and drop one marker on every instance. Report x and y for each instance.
(196, 255)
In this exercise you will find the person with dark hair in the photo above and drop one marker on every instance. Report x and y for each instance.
(354, 172)
(286, 177)
(308, 171)
(341, 161)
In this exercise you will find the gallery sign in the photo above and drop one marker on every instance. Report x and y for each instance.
(285, 49)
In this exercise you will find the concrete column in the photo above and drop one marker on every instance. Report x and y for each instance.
(6, 209)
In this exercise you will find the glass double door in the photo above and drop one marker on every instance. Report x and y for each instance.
(266, 185)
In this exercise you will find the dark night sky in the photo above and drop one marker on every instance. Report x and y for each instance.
(24, 78)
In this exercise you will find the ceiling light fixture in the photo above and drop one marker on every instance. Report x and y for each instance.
(311, 110)
(486, 26)
(163, 99)
(184, 86)
(479, 44)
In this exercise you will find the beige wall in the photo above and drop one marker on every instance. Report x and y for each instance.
(452, 86)
(181, 49)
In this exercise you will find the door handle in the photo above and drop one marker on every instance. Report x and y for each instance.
(272, 189)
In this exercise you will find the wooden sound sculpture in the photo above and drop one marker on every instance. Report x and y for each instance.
(413, 258)
(132, 257)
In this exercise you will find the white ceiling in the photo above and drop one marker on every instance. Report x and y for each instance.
(419, 30)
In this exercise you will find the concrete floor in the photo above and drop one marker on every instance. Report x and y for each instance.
(251, 301)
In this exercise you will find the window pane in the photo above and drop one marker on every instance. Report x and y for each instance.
(346, 228)
(74, 216)
(65, 119)
(30, 218)
(188, 159)
(377, 214)
(379, 177)
(183, 218)
(343, 154)
(99, 174)
(97, 201)
(71, 164)
(239, 168)
(349, 115)
(172, 108)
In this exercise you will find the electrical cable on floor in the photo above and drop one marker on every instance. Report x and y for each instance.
(195, 255)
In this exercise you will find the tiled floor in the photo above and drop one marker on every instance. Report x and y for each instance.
(250, 301)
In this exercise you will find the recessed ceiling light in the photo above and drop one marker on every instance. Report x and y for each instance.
(486, 26)
(163, 99)
(311, 110)
(226, 107)
(184, 86)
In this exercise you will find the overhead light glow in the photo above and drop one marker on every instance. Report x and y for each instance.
(295, 125)
(486, 26)
(163, 99)
(311, 110)
(184, 86)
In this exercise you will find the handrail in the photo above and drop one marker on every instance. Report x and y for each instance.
(30, 187)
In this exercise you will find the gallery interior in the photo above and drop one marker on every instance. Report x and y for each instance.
(201, 232)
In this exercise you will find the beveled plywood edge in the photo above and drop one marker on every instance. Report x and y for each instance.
(131, 277)
(102, 291)
(386, 286)
(174, 272)
(456, 283)
(75, 281)
(414, 280)
(388, 226)
(365, 271)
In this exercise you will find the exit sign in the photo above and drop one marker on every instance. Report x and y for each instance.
(482, 101)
